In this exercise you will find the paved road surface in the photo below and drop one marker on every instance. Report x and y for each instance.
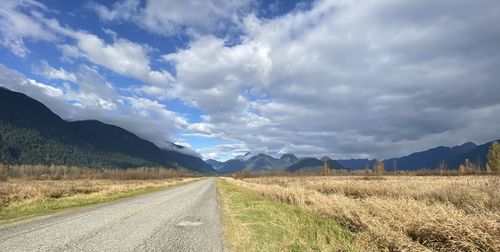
(185, 218)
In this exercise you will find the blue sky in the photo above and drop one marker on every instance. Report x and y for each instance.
(327, 77)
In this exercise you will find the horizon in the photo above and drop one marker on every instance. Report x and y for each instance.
(278, 156)
(182, 149)
(349, 80)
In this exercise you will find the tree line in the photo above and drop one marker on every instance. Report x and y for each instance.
(29, 146)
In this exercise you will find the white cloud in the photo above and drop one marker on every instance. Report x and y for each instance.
(351, 79)
(121, 56)
(52, 73)
(343, 78)
(95, 98)
(223, 151)
(171, 17)
(218, 74)
(69, 53)
(48, 90)
(15, 26)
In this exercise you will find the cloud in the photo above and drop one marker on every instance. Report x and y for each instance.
(15, 26)
(122, 56)
(345, 79)
(223, 151)
(219, 74)
(51, 73)
(338, 78)
(171, 17)
(95, 98)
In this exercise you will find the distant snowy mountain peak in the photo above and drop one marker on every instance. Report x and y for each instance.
(245, 157)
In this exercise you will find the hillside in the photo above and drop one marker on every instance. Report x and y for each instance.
(429, 158)
(313, 165)
(356, 163)
(477, 155)
(32, 134)
(256, 163)
(452, 156)
(214, 163)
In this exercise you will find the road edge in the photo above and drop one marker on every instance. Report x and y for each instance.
(129, 194)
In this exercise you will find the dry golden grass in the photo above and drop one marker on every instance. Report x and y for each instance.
(21, 199)
(254, 223)
(399, 212)
(17, 192)
(58, 172)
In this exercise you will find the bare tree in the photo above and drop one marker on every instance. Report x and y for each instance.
(479, 163)
(367, 169)
(442, 166)
(326, 166)
(378, 167)
(461, 169)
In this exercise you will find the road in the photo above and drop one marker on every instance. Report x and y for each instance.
(184, 218)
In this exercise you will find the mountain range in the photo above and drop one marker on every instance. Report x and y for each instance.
(313, 165)
(32, 134)
(254, 163)
(266, 163)
(452, 157)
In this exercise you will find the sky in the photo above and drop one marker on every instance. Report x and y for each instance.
(343, 78)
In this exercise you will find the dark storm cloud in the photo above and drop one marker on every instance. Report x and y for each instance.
(349, 78)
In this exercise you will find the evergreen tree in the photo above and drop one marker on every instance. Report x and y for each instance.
(494, 157)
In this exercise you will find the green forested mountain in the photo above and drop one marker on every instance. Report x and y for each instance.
(257, 163)
(313, 165)
(264, 163)
(451, 157)
(32, 134)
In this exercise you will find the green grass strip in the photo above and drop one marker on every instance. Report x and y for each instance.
(254, 223)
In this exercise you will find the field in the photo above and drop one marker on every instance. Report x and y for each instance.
(415, 213)
(254, 223)
(22, 198)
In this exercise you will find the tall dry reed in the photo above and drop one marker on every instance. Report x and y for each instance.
(399, 213)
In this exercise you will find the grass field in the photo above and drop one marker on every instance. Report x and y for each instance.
(395, 213)
(254, 223)
(21, 199)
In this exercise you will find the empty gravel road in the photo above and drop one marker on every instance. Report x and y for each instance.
(184, 218)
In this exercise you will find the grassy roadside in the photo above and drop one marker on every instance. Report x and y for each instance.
(254, 223)
(44, 206)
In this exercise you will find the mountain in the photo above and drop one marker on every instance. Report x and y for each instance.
(32, 134)
(109, 138)
(477, 155)
(429, 158)
(313, 165)
(263, 163)
(214, 163)
(179, 159)
(288, 159)
(232, 165)
(256, 163)
(245, 157)
(356, 163)
(452, 156)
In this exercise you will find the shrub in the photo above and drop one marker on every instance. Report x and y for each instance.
(494, 157)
